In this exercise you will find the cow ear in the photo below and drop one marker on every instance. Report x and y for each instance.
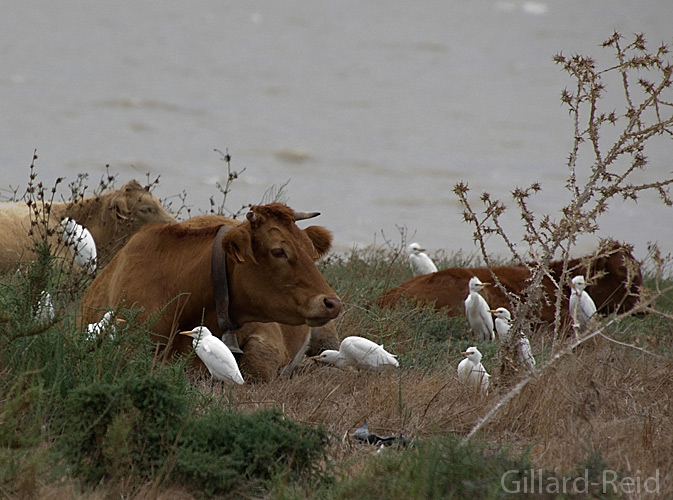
(321, 239)
(132, 185)
(238, 245)
(119, 208)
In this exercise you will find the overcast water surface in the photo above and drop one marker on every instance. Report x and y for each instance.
(372, 110)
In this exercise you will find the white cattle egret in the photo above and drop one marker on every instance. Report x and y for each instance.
(477, 311)
(471, 372)
(360, 353)
(581, 305)
(503, 323)
(419, 261)
(80, 242)
(45, 308)
(107, 324)
(215, 355)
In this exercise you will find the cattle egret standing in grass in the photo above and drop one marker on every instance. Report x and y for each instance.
(80, 242)
(215, 355)
(360, 353)
(471, 372)
(581, 305)
(419, 261)
(108, 324)
(478, 312)
(503, 323)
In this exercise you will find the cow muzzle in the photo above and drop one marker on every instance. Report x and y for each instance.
(325, 309)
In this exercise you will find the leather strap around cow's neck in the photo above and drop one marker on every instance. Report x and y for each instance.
(218, 274)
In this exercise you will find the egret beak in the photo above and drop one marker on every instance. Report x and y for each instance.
(492, 311)
(319, 356)
(420, 249)
(465, 353)
(186, 333)
(120, 320)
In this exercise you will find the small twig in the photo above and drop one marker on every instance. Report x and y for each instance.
(624, 344)
(324, 398)
(427, 407)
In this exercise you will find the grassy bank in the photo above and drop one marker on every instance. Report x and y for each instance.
(109, 420)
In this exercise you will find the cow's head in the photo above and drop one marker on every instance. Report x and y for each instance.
(274, 276)
(133, 206)
(618, 279)
(113, 217)
(614, 277)
(121, 214)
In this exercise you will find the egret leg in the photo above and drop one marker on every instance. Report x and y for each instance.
(231, 395)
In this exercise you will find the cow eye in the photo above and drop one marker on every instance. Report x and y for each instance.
(278, 253)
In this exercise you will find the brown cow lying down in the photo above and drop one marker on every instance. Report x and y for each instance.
(608, 274)
(271, 275)
(111, 218)
(273, 348)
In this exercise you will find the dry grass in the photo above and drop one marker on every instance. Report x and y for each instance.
(602, 397)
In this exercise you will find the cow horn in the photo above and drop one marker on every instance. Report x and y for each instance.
(305, 215)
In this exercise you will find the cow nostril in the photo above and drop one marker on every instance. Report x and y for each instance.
(332, 303)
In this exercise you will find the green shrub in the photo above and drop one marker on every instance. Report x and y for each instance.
(142, 427)
(127, 428)
(223, 450)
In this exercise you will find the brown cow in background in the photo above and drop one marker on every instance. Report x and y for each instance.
(608, 272)
(270, 271)
(112, 218)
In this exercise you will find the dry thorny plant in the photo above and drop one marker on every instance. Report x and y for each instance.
(224, 188)
(648, 113)
(51, 257)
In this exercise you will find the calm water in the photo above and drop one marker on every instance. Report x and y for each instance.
(372, 110)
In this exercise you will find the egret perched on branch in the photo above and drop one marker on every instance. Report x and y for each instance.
(108, 324)
(360, 353)
(503, 323)
(215, 355)
(80, 242)
(477, 311)
(419, 261)
(581, 305)
(471, 372)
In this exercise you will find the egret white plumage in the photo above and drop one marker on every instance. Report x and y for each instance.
(477, 310)
(419, 261)
(215, 355)
(107, 324)
(80, 242)
(581, 305)
(503, 323)
(471, 372)
(44, 310)
(360, 353)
